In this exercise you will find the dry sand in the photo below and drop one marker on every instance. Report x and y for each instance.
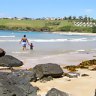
(81, 86)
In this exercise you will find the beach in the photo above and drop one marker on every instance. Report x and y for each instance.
(62, 49)
(81, 86)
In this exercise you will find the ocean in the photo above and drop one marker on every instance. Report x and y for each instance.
(46, 44)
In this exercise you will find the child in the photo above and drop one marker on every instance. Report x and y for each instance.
(31, 46)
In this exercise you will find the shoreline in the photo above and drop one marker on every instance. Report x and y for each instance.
(61, 59)
(58, 32)
(81, 86)
(75, 33)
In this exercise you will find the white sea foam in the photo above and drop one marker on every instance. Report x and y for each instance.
(80, 50)
(9, 40)
(50, 40)
(62, 40)
(12, 36)
(79, 39)
(19, 52)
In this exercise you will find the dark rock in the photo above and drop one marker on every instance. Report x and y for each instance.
(46, 79)
(11, 85)
(83, 75)
(30, 75)
(2, 52)
(10, 61)
(49, 69)
(55, 92)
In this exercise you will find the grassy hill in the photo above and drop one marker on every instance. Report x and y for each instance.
(43, 25)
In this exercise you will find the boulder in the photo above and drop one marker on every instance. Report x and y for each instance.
(49, 69)
(56, 92)
(10, 61)
(11, 85)
(29, 75)
(2, 52)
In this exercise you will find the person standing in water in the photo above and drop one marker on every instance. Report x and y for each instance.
(31, 46)
(24, 42)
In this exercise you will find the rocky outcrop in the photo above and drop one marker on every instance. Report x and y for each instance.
(2, 52)
(49, 69)
(56, 92)
(12, 85)
(29, 75)
(10, 61)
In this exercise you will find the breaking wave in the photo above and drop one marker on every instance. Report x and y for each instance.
(7, 36)
(50, 40)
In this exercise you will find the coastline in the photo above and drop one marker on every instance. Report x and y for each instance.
(58, 32)
(75, 33)
(61, 59)
(81, 86)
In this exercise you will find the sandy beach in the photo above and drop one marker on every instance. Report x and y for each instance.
(76, 33)
(70, 49)
(81, 86)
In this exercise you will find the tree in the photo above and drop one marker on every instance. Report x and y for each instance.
(70, 17)
(80, 18)
(94, 29)
(85, 19)
(65, 18)
(74, 17)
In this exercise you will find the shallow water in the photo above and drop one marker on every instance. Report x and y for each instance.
(46, 44)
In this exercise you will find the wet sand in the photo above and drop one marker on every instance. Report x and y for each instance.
(61, 59)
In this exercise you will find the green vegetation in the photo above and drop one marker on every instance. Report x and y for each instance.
(64, 25)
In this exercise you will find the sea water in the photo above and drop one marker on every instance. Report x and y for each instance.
(46, 43)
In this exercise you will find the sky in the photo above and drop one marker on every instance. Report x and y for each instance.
(47, 8)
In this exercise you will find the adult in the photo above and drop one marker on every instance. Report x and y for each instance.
(24, 42)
